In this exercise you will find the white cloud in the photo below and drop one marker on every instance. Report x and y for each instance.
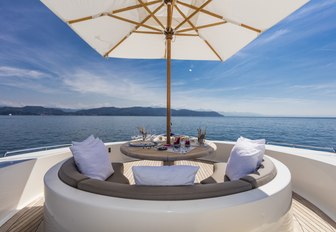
(309, 9)
(36, 87)
(330, 86)
(5, 102)
(6, 71)
(264, 39)
(116, 86)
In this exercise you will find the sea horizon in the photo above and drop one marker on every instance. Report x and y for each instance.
(22, 132)
(227, 116)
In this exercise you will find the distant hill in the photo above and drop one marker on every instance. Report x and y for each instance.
(105, 111)
(30, 110)
(241, 114)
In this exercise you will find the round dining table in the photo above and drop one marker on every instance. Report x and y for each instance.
(167, 156)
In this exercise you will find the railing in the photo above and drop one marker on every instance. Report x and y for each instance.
(330, 149)
(22, 151)
(46, 148)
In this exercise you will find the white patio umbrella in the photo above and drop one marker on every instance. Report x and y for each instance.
(171, 29)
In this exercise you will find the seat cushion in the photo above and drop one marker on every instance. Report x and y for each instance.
(70, 174)
(118, 176)
(209, 180)
(165, 175)
(164, 193)
(264, 174)
(218, 175)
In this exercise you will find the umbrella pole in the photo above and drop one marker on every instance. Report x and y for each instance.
(169, 35)
(168, 130)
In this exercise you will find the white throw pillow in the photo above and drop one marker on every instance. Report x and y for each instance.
(92, 159)
(165, 175)
(243, 160)
(258, 144)
(257, 141)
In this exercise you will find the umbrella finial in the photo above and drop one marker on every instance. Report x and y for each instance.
(168, 2)
(169, 32)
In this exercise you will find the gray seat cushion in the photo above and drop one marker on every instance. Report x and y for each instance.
(209, 180)
(266, 172)
(218, 175)
(118, 176)
(70, 174)
(117, 186)
(164, 193)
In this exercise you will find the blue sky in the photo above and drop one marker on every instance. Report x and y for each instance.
(289, 70)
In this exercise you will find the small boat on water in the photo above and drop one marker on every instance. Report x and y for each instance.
(310, 181)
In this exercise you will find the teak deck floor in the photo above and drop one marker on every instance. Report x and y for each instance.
(306, 216)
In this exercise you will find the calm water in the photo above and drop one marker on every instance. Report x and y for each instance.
(19, 132)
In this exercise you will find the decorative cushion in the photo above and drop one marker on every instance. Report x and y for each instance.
(256, 141)
(258, 144)
(243, 160)
(165, 175)
(92, 159)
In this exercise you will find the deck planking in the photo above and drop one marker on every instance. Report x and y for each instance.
(306, 216)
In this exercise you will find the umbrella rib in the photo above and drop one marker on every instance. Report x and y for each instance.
(80, 19)
(212, 49)
(195, 29)
(134, 22)
(185, 34)
(151, 14)
(185, 18)
(113, 12)
(148, 32)
(136, 6)
(202, 10)
(125, 37)
(220, 17)
(203, 26)
(193, 14)
(250, 28)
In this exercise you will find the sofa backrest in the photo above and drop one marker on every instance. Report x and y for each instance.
(264, 174)
(115, 186)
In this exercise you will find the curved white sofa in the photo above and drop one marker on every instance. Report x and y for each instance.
(261, 209)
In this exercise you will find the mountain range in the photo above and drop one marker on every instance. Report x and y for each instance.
(105, 111)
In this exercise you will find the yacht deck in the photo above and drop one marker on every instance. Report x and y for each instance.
(306, 216)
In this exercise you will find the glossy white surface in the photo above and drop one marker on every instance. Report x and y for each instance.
(22, 181)
(313, 175)
(262, 209)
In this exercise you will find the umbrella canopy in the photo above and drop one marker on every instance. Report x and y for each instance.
(171, 29)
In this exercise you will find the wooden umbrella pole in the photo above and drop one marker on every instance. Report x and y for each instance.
(168, 129)
(169, 36)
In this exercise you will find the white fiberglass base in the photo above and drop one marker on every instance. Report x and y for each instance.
(263, 209)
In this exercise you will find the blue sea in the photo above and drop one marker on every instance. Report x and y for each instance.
(21, 132)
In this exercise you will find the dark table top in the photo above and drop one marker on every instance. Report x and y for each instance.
(153, 154)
